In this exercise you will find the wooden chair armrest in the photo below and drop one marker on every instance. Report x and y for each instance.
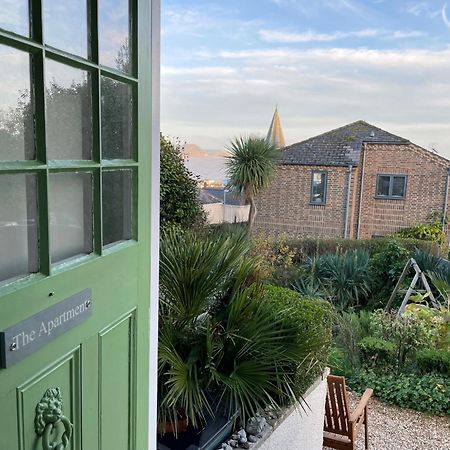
(356, 414)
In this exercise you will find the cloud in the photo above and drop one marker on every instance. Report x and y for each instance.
(312, 36)
(445, 17)
(210, 71)
(275, 36)
(306, 7)
(423, 9)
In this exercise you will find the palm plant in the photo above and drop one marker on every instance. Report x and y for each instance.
(250, 167)
(219, 344)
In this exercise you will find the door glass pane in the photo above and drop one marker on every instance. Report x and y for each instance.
(65, 25)
(116, 119)
(117, 206)
(14, 16)
(70, 211)
(69, 112)
(18, 226)
(383, 185)
(16, 109)
(398, 187)
(114, 34)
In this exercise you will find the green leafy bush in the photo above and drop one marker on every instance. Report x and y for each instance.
(428, 393)
(179, 202)
(436, 322)
(312, 318)
(427, 232)
(378, 353)
(407, 333)
(432, 360)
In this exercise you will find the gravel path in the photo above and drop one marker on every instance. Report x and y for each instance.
(393, 428)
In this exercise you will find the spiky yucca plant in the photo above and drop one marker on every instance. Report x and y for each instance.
(250, 167)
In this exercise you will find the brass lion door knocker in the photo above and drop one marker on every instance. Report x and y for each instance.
(49, 415)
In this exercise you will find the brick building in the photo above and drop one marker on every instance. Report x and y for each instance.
(357, 181)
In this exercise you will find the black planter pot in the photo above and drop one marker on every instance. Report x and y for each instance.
(216, 430)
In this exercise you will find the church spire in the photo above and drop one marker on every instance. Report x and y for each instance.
(275, 135)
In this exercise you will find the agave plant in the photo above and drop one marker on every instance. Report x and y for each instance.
(218, 343)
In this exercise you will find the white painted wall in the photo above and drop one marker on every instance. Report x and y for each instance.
(301, 430)
(220, 213)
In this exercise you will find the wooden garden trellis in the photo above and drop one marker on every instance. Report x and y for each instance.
(419, 274)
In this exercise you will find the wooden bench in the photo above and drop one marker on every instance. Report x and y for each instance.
(341, 426)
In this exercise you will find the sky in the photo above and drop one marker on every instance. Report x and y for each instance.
(325, 63)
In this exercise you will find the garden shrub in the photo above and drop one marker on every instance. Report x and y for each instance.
(429, 393)
(427, 232)
(378, 353)
(432, 360)
(344, 276)
(277, 259)
(386, 265)
(307, 248)
(349, 329)
(313, 318)
(406, 332)
(436, 322)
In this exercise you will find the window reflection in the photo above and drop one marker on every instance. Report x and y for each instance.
(16, 109)
(114, 34)
(116, 119)
(69, 112)
(14, 16)
(70, 208)
(65, 25)
(117, 205)
(18, 226)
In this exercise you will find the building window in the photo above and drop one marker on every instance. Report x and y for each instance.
(391, 186)
(319, 188)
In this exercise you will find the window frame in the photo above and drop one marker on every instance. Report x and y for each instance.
(42, 166)
(324, 201)
(391, 176)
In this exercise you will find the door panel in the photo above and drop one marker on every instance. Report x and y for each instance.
(117, 369)
(77, 217)
(66, 375)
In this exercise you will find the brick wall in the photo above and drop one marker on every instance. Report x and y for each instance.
(284, 206)
(425, 188)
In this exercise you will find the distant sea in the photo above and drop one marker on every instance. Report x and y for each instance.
(210, 167)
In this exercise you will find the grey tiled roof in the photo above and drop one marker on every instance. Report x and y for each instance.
(339, 147)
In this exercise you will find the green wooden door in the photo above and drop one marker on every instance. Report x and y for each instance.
(75, 145)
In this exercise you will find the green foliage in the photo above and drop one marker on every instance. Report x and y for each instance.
(349, 329)
(344, 276)
(276, 259)
(432, 360)
(407, 333)
(427, 261)
(312, 320)
(436, 322)
(427, 232)
(250, 167)
(307, 248)
(179, 203)
(376, 352)
(221, 341)
(387, 263)
(428, 393)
